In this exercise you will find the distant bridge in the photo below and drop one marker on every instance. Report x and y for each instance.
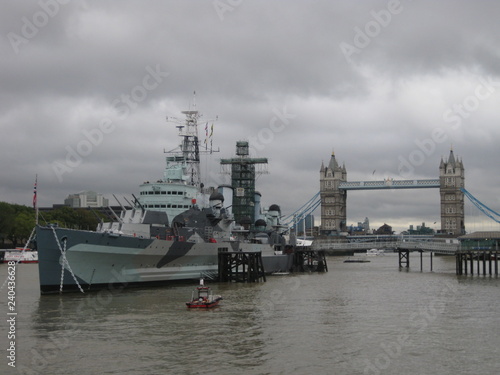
(308, 208)
(436, 246)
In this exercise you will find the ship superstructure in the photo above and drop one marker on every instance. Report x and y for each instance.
(181, 186)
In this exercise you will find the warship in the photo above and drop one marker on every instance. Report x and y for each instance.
(173, 231)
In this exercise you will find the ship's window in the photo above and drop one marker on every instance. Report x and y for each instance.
(163, 192)
(150, 192)
(157, 192)
(169, 205)
(169, 192)
(163, 206)
(174, 206)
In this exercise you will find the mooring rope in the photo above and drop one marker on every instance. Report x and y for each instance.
(65, 260)
(62, 269)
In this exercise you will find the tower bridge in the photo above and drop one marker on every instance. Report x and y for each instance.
(334, 187)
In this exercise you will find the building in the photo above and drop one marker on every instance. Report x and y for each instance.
(480, 241)
(333, 206)
(86, 199)
(452, 179)
(384, 229)
(421, 230)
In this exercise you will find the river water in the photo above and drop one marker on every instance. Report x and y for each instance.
(358, 318)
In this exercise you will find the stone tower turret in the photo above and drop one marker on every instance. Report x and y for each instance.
(452, 178)
(333, 200)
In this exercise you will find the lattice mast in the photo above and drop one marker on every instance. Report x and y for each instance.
(186, 156)
(243, 175)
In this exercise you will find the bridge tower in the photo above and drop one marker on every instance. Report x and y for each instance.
(333, 199)
(451, 179)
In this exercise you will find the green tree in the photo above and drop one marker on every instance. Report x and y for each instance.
(24, 223)
(16, 223)
(7, 215)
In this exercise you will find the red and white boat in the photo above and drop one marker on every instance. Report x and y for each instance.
(202, 297)
(19, 255)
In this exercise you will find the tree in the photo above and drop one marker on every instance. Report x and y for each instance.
(24, 223)
(16, 223)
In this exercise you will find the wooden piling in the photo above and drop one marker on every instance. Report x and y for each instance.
(307, 260)
(241, 266)
(487, 262)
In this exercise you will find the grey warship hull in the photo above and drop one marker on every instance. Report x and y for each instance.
(70, 259)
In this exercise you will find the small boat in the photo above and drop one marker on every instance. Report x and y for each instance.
(20, 256)
(202, 297)
(375, 252)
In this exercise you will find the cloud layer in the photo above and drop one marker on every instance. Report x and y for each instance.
(382, 84)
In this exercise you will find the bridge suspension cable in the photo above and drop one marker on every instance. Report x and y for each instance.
(482, 207)
(303, 211)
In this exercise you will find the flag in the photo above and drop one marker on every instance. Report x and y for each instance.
(211, 130)
(206, 132)
(34, 193)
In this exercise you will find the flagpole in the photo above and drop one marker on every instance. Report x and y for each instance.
(35, 203)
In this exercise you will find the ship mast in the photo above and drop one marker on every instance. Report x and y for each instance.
(190, 147)
(187, 154)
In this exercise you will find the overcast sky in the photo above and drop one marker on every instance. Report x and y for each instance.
(389, 86)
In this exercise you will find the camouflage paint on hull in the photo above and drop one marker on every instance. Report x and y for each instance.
(103, 260)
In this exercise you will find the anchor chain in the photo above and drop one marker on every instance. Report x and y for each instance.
(65, 260)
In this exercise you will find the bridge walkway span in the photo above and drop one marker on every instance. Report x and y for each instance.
(437, 247)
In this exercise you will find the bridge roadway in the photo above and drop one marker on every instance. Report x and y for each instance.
(389, 184)
(437, 247)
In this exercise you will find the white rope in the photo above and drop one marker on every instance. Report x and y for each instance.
(65, 261)
(62, 269)
(20, 257)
